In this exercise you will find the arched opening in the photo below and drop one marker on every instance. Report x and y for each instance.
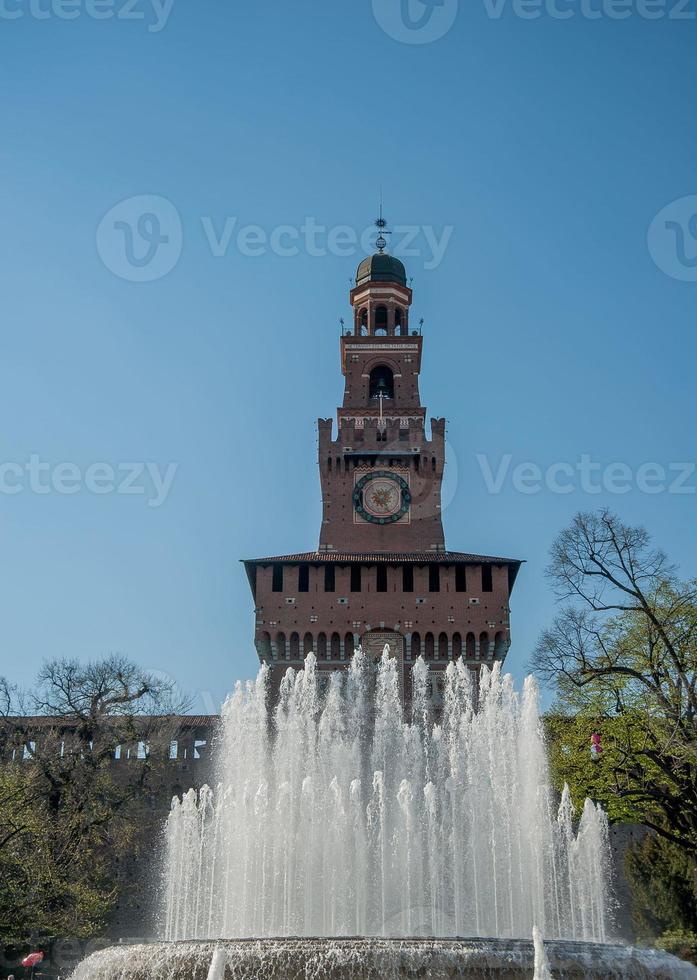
(415, 646)
(443, 647)
(483, 646)
(294, 646)
(457, 646)
(322, 646)
(499, 646)
(281, 646)
(265, 646)
(381, 382)
(429, 647)
(380, 321)
(470, 646)
(308, 644)
(363, 322)
(348, 645)
(336, 647)
(400, 322)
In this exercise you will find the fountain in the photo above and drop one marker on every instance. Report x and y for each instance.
(333, 819)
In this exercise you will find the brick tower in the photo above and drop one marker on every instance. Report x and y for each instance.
(382, 573)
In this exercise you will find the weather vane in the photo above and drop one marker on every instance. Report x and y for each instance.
(381, 225)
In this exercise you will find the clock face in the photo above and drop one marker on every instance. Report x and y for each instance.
(381, 497)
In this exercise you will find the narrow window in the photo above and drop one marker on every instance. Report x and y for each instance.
(460, 578)
(486, 578)
(382, 578)
(329, 578)
(173, 750)
(277, 578)
(407, 578)
(304, 578)
(355, 578)
(434, 578)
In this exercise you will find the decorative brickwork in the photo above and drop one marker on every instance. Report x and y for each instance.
(382, 573)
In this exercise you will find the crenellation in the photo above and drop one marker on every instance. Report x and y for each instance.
(382, 572)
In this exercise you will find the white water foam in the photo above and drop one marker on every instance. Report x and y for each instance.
(333, 816)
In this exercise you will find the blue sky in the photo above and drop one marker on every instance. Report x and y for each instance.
(553, 329)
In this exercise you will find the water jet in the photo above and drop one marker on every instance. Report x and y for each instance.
(344, 840)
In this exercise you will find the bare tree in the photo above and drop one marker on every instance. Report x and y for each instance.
(624, 648)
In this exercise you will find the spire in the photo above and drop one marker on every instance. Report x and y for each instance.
(381, 225)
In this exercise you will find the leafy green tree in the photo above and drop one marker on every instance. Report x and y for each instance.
(69, 816)
(622, 657)
(663, 880)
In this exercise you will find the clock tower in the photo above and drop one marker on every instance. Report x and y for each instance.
(382, 572)
(381, 476)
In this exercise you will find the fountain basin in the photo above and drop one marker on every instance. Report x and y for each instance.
(377, 959)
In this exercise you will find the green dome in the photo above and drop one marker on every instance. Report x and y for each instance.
(381, 267)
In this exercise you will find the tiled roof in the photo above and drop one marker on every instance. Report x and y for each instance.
(370, 557)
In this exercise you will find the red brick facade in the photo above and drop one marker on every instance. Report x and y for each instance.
(382, 572)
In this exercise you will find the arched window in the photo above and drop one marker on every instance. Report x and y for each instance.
(381, 382)
(281, 646)
(457, 646)
(400, 322)
(470, 646)
(348, 645)
(415, 646)
(442, 647)
(265, 646)
(380, 321)
(336, 647)
(429, 645)
(499, 646)
(483, 646)
(322, 646)
(294, 646)
(308, 644)
(363, 322)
